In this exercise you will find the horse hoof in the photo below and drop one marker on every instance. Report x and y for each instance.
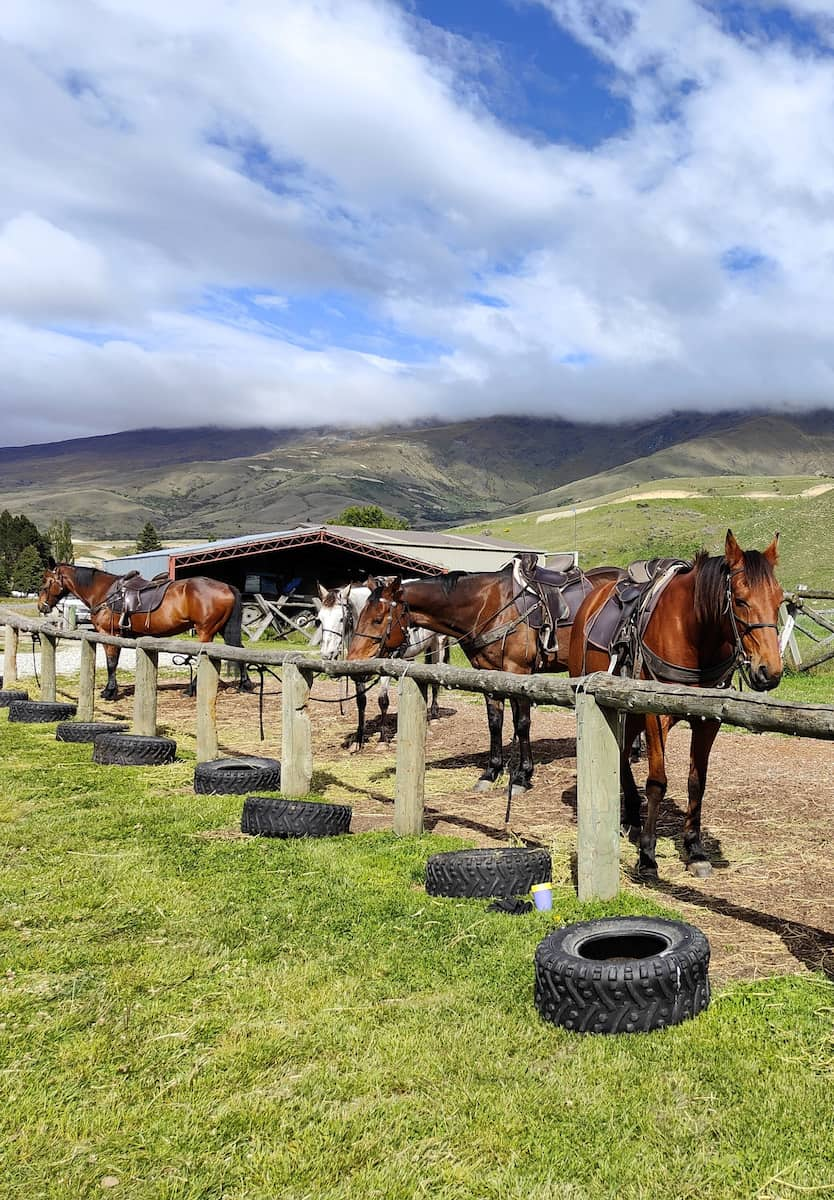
(484, 785)
(647, 872)
(518, 789)
(700, 868)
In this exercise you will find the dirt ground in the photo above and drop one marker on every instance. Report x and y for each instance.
(767, 908)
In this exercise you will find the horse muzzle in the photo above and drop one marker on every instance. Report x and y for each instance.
(763, 679)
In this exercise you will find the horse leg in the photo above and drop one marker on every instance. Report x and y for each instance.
(361, 705)
(522, 775)
(110, 690)
(434, 711)
(232, 633)
(703, 735)
(495, 718)
(656, 731)
(384, 702)
(631, 795)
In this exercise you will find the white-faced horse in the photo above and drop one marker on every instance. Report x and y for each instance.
(337, 617)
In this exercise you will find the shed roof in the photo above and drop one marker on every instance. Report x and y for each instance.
(409, 549)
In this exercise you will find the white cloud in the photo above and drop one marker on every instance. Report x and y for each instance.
(187, 186)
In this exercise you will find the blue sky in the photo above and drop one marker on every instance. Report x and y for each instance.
(294, 212)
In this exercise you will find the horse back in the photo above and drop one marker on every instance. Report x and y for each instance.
(580, 655)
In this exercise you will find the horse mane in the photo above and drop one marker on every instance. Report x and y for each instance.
(84, 576)
(711, 581)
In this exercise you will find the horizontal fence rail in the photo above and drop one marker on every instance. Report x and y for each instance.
(598, 700)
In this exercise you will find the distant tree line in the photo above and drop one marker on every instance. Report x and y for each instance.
(25, 551)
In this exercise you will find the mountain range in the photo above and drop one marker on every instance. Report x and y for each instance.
(205, 483)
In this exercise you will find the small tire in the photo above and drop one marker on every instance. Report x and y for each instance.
(86, 731)
(237, 776)
(9, 695)
(622, 975)
(294, 818)
(40, 712)
(507, 871)
(133, 750)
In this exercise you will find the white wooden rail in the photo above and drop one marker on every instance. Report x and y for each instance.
(598, 699)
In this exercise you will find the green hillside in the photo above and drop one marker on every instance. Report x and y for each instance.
(613, 529)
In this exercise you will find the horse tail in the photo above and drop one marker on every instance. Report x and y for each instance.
(233, 629)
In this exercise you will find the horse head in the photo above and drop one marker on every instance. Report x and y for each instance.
(335, 619)
(382, 625)
(753, 599)
(53, 587)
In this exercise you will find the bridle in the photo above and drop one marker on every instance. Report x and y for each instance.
(741, 658)
(403, 623)
(54, 579)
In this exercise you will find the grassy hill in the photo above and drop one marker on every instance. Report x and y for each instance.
(205, 483)
(678, 516)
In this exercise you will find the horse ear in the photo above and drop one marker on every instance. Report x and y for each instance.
(322, 591)
(732, 551)
(344, 592)
(396, 586)
(772, 552)
(51, 563)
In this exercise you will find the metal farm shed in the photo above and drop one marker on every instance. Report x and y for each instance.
(328, 554)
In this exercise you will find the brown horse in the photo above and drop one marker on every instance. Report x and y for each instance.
(205, 605)
(479, 610)
(714, 616)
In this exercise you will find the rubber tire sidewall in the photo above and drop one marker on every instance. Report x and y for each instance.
(87, 731)
(40, 712)
(8, 696)
(477, 874)
(587, 995)
(133, 750)
(265, 817)
(233, 777)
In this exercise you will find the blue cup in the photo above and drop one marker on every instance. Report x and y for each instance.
(542, 894)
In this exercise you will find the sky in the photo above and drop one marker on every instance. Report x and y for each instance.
(347, 212)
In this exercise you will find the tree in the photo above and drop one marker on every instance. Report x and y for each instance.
(5, 585)
(28, 570)
(15, 534)
(369, 516)
(148, 539)
(60, 539)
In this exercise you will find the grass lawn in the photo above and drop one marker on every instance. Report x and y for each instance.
(192, 1017)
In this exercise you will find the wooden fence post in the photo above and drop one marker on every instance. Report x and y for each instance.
(10, 640)
(48, 682)
(144, 696)
(409, 793)
(87, 681)
(296, 734)
(597, 799)
(208, 676)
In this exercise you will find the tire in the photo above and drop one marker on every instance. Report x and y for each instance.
(622, 975)
(8, 696)
(294, 818)
(509, 871)
(37, 712)
(86, 731)
(237, 776)
(133, 750)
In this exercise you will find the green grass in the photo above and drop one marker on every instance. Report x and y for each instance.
(618, 531)
(206, 1018)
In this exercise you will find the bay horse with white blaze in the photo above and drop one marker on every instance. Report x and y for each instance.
(488, 614)
(337, 618)
(709, 618)
(205, 605)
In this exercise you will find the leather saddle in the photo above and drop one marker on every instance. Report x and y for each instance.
(548, 597)
(132, 594)
(619, 625)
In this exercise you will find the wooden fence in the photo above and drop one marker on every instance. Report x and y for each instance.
(599, 700)
(802, 613)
